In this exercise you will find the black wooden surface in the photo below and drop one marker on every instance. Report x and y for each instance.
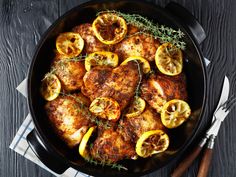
(22, 22)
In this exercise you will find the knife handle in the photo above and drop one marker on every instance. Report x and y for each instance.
(206, 160)
(183, 166)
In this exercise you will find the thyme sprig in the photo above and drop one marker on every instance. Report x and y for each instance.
(161, 32)
(137, 33)
(75, 59)
(105, 163)
(137, 90)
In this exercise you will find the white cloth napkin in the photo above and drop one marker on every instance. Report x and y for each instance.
(21, 146)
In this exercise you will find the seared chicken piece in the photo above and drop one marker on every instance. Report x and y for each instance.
(59, 56)
(69, 117)
(137, 44)
(132, 128)
(94, 81)
(159, 89)
(119, 83)
(70, 73)
(92, 44)
(111, 147)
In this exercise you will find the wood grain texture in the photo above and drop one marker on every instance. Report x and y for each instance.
(23, 22)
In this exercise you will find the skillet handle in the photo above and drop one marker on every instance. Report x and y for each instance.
(187, 19)
(47, 157)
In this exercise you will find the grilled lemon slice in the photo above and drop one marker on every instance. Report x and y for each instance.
(83, 151)
(69, 44)
(169, 59)
(144, 63)
(152, 142)
(136, 108)
(101, 58)
(174, 113)
(105, 108)
(50, 87)
(109, 28)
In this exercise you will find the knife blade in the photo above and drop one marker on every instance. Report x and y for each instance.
(224, 95)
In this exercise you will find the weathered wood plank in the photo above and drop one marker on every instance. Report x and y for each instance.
(23, 22)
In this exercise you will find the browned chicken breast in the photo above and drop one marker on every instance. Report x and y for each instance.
(94, 81)
(159, 89)
(111, 147)
(92, 44)
(136, 44)
(59, 56)
(119, 83)
(70, 73)
(132, 128)
(69, 118)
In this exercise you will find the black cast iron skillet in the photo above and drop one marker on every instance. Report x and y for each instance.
(53, 152)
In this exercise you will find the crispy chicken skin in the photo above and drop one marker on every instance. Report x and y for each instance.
(137, 45)
(69, 118)
(160, 88)
(92, 44)
(119, 83)
(111, 147)
(132, 128)
(94, 81)
(70, 73)
(58, 56)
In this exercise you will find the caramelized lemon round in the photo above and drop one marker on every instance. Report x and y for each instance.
(105, 108)
(143, 62)
(169, 59)
(152, 142)
(174, 113)
(69, 44)
(50, 87)
(83, 151)
(136, 108)
(109, 28)
(101, 58)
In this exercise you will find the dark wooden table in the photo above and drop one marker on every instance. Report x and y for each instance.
(23, 22)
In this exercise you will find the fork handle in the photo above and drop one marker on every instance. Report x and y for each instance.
(183, 166)
(206, 160)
